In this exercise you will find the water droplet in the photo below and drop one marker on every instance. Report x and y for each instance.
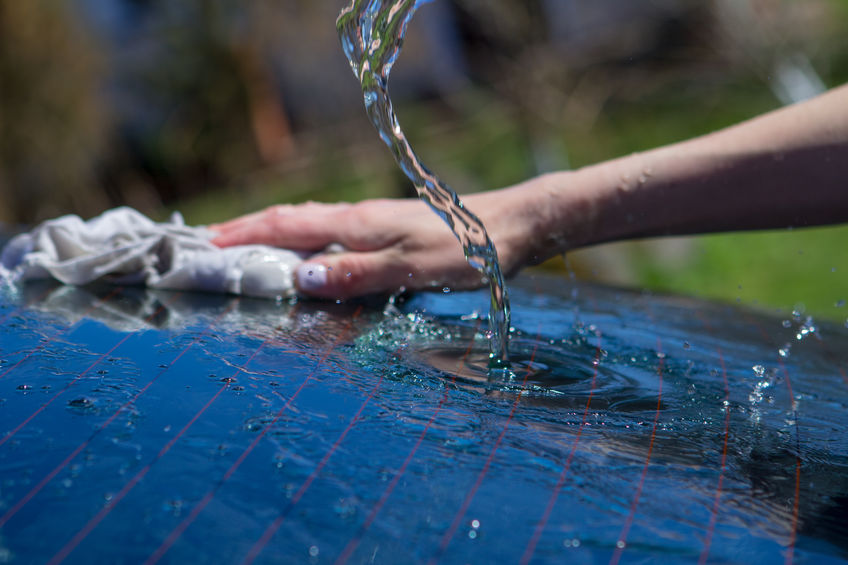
(472, 534)
(787, 324)
(620, 544)
(840, 304)
(81, 402)
(24, 387)
(691, 390)
(475, 524)
(313, 551)
(446, 290)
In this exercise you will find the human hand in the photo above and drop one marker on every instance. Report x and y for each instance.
(388, 244)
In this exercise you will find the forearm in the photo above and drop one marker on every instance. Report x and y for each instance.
(786, 168)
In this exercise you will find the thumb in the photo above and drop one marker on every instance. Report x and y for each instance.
(349, 274)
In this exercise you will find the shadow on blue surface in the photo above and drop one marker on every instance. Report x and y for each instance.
(201, 428)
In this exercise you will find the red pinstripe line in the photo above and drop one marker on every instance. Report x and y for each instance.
(93, 522)
(446, 538)
(714, 515)
(178, 531)
(844, 375)
(543, 521)
(790, 551)
(622, 537)
(717, 500)
(355, 541)
(98, 302)
(275, 525)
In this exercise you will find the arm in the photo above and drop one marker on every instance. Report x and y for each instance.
(786, 168)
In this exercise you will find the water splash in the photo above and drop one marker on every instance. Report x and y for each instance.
(372, 34)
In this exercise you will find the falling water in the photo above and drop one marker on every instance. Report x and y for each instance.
(372, 33)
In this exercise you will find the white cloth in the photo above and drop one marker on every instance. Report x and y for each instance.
(122, 246)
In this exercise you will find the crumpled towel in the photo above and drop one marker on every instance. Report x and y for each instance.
(123, 246)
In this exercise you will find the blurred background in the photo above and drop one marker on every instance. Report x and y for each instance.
(219, 107)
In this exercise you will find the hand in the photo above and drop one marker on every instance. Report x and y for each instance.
(388, 244)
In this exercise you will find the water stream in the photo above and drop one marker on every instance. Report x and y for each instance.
(372, 34)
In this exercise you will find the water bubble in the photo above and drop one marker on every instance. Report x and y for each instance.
(313, 551)
(475, 524)
(472, 534)
(571, 542)
(620, 544)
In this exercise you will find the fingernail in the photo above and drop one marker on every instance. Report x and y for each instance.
(311, 276)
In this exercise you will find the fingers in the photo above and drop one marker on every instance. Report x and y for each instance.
(306, 227)
(340, 276)
(346, 275)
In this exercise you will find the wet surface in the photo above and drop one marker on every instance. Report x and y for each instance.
(633, 428)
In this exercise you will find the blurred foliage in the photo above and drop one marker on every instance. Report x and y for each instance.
(53, 121)
(219, 107)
